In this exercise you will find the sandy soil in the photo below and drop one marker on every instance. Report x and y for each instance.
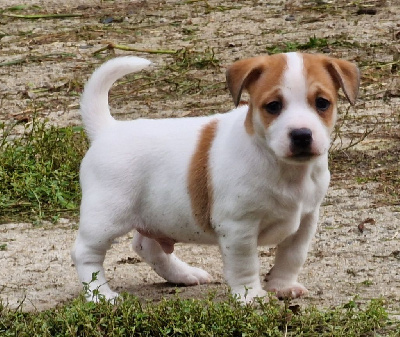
(35, 267)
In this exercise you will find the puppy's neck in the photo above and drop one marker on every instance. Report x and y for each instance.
(302, 171)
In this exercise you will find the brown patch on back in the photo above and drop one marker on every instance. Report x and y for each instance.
(325, 75)
(199, 182)
(261, 77)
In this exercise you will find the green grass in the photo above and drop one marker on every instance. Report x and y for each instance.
(313, 44)
(208, 317)
(39, 171)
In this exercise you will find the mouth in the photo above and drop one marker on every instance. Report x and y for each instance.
(302, 156)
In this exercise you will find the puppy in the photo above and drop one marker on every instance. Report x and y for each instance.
(253, 176)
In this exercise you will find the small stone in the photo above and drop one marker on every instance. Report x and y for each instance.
(367, 11)
(107, 20)
(290, 17)
(326, 50)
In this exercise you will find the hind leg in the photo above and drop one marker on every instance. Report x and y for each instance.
(168, 266)
(88, 260)
(97, 231)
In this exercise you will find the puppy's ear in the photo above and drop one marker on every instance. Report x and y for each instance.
(241, 74)
(347, 76)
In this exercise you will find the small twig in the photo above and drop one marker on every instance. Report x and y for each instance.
(34, 59)
(112, 46)
(39, 204)
(395, 254)
(42, 16)
(21, 303)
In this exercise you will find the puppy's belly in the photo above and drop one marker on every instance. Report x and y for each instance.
(170, 227)
(166, 243)
(274, 233)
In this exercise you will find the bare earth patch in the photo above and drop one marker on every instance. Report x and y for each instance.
(45, 62)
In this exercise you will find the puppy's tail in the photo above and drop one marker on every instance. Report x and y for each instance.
(94, 102)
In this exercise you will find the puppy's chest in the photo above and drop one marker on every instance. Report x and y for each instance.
(284, 210)
(303, 197)
(275, 198)
(285, 195)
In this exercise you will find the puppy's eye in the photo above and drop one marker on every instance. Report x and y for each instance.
(322, 104)
(273, 108)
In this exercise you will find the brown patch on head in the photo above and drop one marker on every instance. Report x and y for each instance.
(261, 77)
(199, 182)
(248, 122)
(325, 75)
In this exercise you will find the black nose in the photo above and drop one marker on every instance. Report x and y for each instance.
(301, 140)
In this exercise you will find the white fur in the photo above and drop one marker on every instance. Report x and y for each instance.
(134, 176)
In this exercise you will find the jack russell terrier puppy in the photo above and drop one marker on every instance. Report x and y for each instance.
(253, 176)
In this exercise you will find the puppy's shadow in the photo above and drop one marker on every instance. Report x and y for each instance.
(159, 290)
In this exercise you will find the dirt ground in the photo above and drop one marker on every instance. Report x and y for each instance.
(44, 62)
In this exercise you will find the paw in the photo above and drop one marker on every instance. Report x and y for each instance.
(284, 289)
(97, 295)
(188, 276)
(248, 295)
(101, 293)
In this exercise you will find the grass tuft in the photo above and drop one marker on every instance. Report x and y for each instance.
(191, 59)
(39, 171)
(312, 43)
(177, 317)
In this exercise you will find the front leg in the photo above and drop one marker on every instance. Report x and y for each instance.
(290, 256)
(238, 244)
